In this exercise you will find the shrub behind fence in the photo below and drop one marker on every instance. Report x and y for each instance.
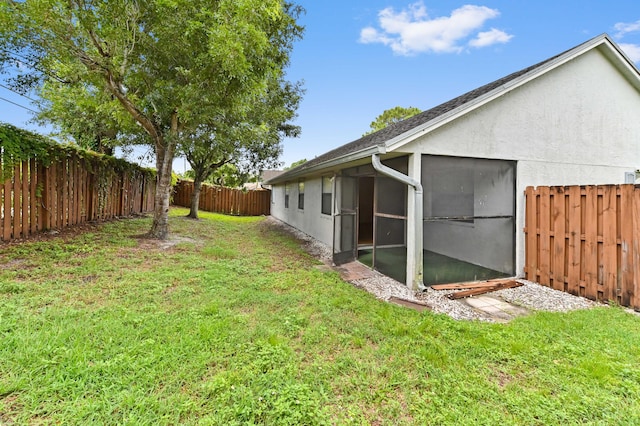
(585, 240)
(219, 199)
(59, 186)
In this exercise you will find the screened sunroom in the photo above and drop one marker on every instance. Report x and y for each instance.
(468, 224)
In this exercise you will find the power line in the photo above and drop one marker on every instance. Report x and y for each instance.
(29, 63)
(15, 54)
(11, 90)
(18, 105)
(17, 93)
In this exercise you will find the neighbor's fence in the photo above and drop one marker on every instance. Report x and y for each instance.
(585, 240)
(219, 199)
(63, 186)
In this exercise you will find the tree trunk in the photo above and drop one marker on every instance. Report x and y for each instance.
(160, 225)
(165, 149)
(164, 162)
(195, 198)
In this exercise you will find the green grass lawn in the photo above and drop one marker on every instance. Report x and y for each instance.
(235, 325)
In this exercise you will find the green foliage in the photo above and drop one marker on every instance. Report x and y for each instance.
(392, 116)
(174, 178)
(18, 145)
(176, 68)
(92, 119)
(226, 175)
(242, 143)
(296, 164)
(234, 324)
(229, 175)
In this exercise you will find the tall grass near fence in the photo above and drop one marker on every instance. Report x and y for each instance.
(45, 185)
(585, 240)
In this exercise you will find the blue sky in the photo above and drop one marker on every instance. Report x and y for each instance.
(360, 57)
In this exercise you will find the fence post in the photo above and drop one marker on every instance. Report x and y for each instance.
(558, 238)
(625, 271)
(25, 198)
(7, 209)
(591, 242)
(2, 197)
(575, 241)
(609, 243)
(2, 212)
(17, 205)
(531, 235)
(634, 284)
(62, 194)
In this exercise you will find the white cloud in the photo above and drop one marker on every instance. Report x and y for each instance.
(631, 50)
(487, 38)
(412, 31)
(371, 35)
(623, 28)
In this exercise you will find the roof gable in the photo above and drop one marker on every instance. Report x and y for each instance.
(398, 134)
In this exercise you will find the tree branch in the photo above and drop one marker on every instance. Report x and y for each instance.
(116, 89)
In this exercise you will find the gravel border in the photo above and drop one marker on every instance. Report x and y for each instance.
(530, 295)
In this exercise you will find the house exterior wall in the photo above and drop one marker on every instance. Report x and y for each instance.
(310, 220)
(575, 125)
(583, 113)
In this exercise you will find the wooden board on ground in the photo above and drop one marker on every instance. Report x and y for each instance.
(470, 284)
(418, 306)
(482, 290)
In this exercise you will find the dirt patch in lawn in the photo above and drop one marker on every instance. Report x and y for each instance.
(147, 243)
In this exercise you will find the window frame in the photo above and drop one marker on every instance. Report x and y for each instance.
(287, 189)
(301, 194)
(324, 208)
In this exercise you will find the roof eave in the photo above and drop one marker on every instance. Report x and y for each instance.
(344, 159)
(626, 66)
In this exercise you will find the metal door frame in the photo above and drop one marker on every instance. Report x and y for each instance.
(341, 256)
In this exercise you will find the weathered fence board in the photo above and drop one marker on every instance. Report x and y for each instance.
(224, 200)
(585, 240)
(66, 192)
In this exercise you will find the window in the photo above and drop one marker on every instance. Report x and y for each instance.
(327, 192)
(301, 195)
(286, 195)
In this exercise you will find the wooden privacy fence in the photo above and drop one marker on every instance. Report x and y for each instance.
(38, 195)
(219, 199)
(585, 240)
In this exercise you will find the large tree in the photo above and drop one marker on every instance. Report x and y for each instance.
(92, 119)
(391, 116)
(248, 139)
(173, 65)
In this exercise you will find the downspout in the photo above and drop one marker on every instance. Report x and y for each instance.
(415, 275)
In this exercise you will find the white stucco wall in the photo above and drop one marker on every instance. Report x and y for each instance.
(576, 125)
(582, 113)
(310, 220)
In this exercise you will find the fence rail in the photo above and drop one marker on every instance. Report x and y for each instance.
(585, 240)
(39, 196)
(219, 199)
